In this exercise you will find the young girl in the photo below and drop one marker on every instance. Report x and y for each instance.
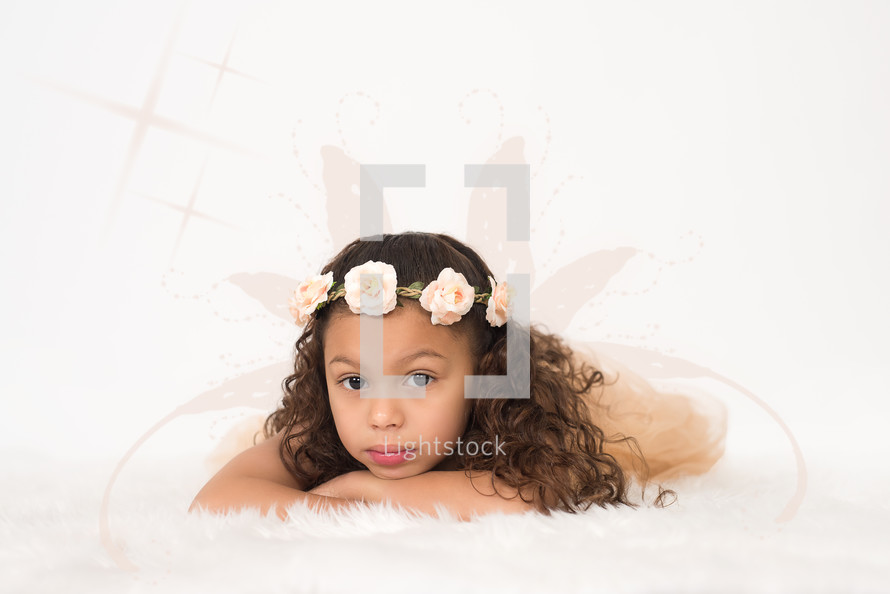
(401, 429)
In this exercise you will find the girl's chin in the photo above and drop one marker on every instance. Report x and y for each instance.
(398, 471)
(392, 473)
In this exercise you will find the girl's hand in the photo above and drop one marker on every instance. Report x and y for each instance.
(358, 485)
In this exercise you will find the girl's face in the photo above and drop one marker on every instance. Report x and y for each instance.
(389, 412)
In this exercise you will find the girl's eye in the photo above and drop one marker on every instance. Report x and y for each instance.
(352, 383)
(424, 381)
(416, 380)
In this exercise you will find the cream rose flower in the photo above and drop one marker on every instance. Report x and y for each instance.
(373, 296)
(308, 295)
(500, 304)
(448, 297)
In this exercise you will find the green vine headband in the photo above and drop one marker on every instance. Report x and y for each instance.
(447, 298)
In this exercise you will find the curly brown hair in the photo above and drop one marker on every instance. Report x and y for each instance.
(554, 451)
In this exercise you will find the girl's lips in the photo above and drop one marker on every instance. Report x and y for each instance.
(389, 459)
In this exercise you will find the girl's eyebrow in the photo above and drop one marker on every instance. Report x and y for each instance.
(407, 358)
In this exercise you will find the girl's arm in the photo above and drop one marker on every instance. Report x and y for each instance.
(257, 478)
(461, 495)
(244, 492)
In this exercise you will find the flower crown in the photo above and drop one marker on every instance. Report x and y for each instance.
(447, 298)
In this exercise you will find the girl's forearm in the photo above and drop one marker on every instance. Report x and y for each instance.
(236, 494)
(425, 492)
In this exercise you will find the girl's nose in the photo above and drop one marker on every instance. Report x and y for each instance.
(385, 413)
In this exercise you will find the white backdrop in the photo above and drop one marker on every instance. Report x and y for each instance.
(172, 168)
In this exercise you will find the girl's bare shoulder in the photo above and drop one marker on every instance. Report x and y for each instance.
(262, 460)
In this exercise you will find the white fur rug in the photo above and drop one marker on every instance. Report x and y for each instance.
(720, 536)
